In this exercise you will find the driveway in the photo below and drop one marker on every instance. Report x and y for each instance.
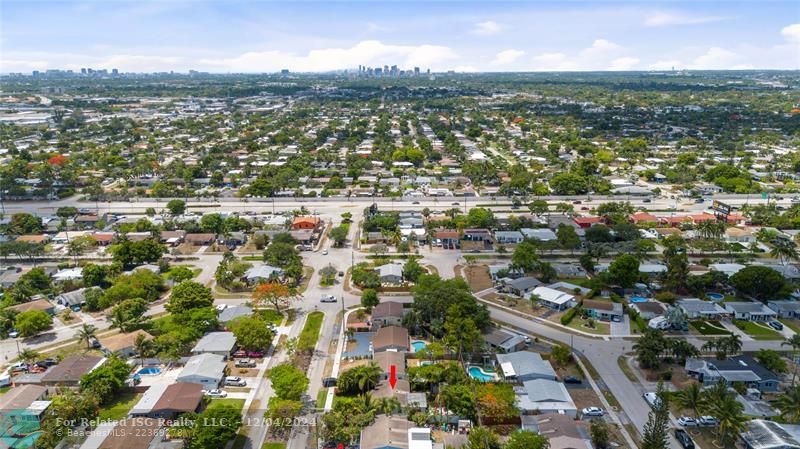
(735, 330)
(619, 328)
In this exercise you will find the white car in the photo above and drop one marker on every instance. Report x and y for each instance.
(592, 411)
(328, 298)
(324, 252)
(708, 421)
(221, 307)
(235, 381)
(216, 394)
(686, 421)
(652, 399)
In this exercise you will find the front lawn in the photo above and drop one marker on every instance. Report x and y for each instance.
(272, 316)
(758, 331)
(791, 324)
(273, 445)
(221, 402)
(600, 327)
(709, 327)
(118, 408)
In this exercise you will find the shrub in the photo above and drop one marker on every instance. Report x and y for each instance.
(567, 317)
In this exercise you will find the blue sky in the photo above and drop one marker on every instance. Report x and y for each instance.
(259, 36)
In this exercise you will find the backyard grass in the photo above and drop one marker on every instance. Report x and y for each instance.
(709, 328)
(118, 408)
(221, 402)
(758, 331)
(272, 316)
(583, 282)
(274, 445)
(791, 324)
(600, 328)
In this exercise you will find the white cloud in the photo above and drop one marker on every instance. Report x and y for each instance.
(716, 58)
(368, 53)
(507, 56)
(659, 19)
(624, 63)
(791, 32)
(554, 62)
(487, 28)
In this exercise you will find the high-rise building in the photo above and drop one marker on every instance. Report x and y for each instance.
(83, 71)
(416, 71)
(114, 72)
(385, 70)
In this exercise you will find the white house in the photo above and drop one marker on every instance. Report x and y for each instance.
(554, 299)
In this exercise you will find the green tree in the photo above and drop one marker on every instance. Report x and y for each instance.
(567, 237)
(130, 253)
(598, 430)
(525, 256)
(794, 343)
(624, 270)
(369, 299)
(338, 235)
(288, 381)
(31, 322)
(523, 439)
(189, 295)
(86, 333)
(772, 360)
(360, 379)
(561, 354)
(461, 333)
(252, 332)
(483, 438)
(691, 398)
(215, 427)
(213, 223)
(789, 405)
(129, 314)
(655, 432)
(759, 281)
(412, 270)
(176, 207)
(539, 207)
(107, 380)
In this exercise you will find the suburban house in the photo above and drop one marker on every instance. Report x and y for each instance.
(68, 373)
(219, 343)
(648, 310)
(643, 218)
(207, 370)
(231, 313)
(387, 359)
(520, 286)
(695, 308)
(742, 368)
(388, 313)
(603, 310)
(390, 273)
(539, 396)
(73, 298)
(524, 365)
(449, 239)
(562, 431)
(554, 299)
(508, 237)
(168, 401)
(765, 434)
(131, 433)
(504, 341)
(393, 432)
(390, 338)
(587, 222)
(750, 311)
(203, 239)
(123, 344)
(739, 235)
(262, 273)
(24, 402)
(541, 234)
(786, 309)
(37, 304)
(311, 222)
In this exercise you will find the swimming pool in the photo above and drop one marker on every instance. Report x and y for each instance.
(149, 371)
(418, 345)
(636, 299)
(715, 296)
(476, 372)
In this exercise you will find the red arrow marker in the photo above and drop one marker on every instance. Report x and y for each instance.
(392, 376)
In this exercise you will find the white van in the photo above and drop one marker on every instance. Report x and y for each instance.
(5, 380)
(658, 322)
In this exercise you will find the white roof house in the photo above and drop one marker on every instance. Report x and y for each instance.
(220, 343)
(545, 396)
(553, 298)
(148, 400)
(262, 272)
(70, 274)
(204, 369)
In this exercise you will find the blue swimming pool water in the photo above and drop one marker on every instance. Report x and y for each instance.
(715, 296)
(637, 299)
(149, 371)
(478, 373)
(418, 345)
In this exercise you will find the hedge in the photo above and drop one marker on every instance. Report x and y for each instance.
(567, 317)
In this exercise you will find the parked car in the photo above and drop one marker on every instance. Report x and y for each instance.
(592, 411)
(572, 380)
(46, 363)
(699, 201)
(415, 202)
(94, 343)
(221, 307)
(455, 204)
(13, 333)
(324, 252)
(255, 354)
(647, 200)
(683, 437)
(577, 202)
(327, 298)
(240, 354)
(235, 381)
(687, 421)
(245, 363)
(775, 324)
(216, 393)
(19, 367)
(652, 398)
(707, 420)
(329, 382)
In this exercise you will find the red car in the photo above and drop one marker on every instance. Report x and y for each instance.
(240, 354)
(255, 354)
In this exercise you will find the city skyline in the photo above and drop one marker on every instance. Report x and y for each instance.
(241, 37)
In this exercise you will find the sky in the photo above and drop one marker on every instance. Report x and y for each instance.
(467, 36)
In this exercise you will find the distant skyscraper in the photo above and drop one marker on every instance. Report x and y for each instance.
(284, 71)
(115, 72)
(385, 69)
(416, 71)
(83, 71)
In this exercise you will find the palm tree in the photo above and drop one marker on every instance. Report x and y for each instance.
(784, 251)
(733, 344)
(728, 412)
(28, 355)
(367, 377)
(86, 333)
(691, 398)
(143, 347)
(794, 342)
(789, 405)
(365, 405)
